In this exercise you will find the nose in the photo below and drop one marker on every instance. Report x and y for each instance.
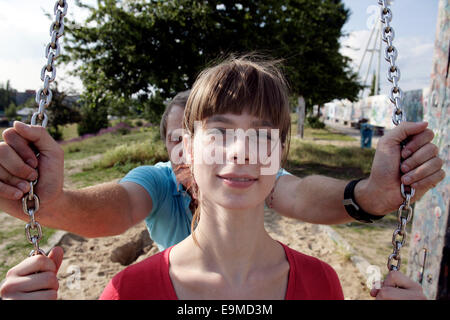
(237, 150)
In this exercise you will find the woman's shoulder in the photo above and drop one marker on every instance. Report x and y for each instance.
(309, 262)
(145, 280)
(314, 278)
(152, 263)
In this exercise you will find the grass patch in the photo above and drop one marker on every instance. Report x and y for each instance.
(19, 233)
(8, 234)
(96, 176)
(326, 134)
(117, 162)
(138, 152)
(101, 144)
(69, 131)
(17, 247)
(306, 158)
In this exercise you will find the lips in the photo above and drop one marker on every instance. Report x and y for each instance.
(237, 180)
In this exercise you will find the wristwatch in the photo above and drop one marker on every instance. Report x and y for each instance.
(353, 209)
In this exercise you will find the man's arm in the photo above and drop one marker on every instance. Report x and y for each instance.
(101, 210)
(318, 199)
(314, 199)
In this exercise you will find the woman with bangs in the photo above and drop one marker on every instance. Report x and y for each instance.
(229, 254)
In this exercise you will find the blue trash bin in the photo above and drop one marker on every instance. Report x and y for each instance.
(366, 135)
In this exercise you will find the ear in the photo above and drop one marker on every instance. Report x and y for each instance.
(187, 147)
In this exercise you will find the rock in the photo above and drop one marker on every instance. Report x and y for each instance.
(129, 252)
(69, 239)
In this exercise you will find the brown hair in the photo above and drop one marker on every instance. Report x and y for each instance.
(179, 100)
(248, 83)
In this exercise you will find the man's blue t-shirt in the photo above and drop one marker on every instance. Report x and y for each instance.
(169, 221)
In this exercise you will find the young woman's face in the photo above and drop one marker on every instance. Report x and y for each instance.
(232, 157)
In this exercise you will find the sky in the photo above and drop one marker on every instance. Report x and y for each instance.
(414, 22)
(24, 33)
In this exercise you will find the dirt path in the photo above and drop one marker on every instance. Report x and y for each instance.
(75, 166)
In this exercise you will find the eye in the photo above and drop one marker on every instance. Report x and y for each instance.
(264, 134)
(175, 139)
(215, 136)
(216, 131)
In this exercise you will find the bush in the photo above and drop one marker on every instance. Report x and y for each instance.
(314, 122)
(73, 148)
(128, 123)
(123, 131)
(55, 133)
(92, 120)
(142, 153)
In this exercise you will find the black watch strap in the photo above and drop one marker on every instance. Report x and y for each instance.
(353, 209)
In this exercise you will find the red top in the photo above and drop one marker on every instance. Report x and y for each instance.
(309, 279)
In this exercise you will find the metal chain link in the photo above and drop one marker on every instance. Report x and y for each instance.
(398, 116)
(30, 202)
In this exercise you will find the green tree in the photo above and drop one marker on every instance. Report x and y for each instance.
(60, 112)
(11, 112)
(132, 48)
(94, 112)
(7, 96)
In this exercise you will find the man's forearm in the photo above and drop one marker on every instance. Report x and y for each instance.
(96, 211)
(322, 200)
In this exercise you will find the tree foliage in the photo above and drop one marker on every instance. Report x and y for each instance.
(7, 96)
(128, 50)
(61, 112)
(11, 112)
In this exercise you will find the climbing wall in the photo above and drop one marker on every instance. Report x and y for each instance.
(428, 262)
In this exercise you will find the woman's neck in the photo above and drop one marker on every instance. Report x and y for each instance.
(231, 242)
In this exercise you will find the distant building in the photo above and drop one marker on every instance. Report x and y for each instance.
(22, 97)
(24, 113)
(376, 109)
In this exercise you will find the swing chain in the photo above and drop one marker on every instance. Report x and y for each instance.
(391, 54)
(30, 202)
(398, 116)
(52, 51)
